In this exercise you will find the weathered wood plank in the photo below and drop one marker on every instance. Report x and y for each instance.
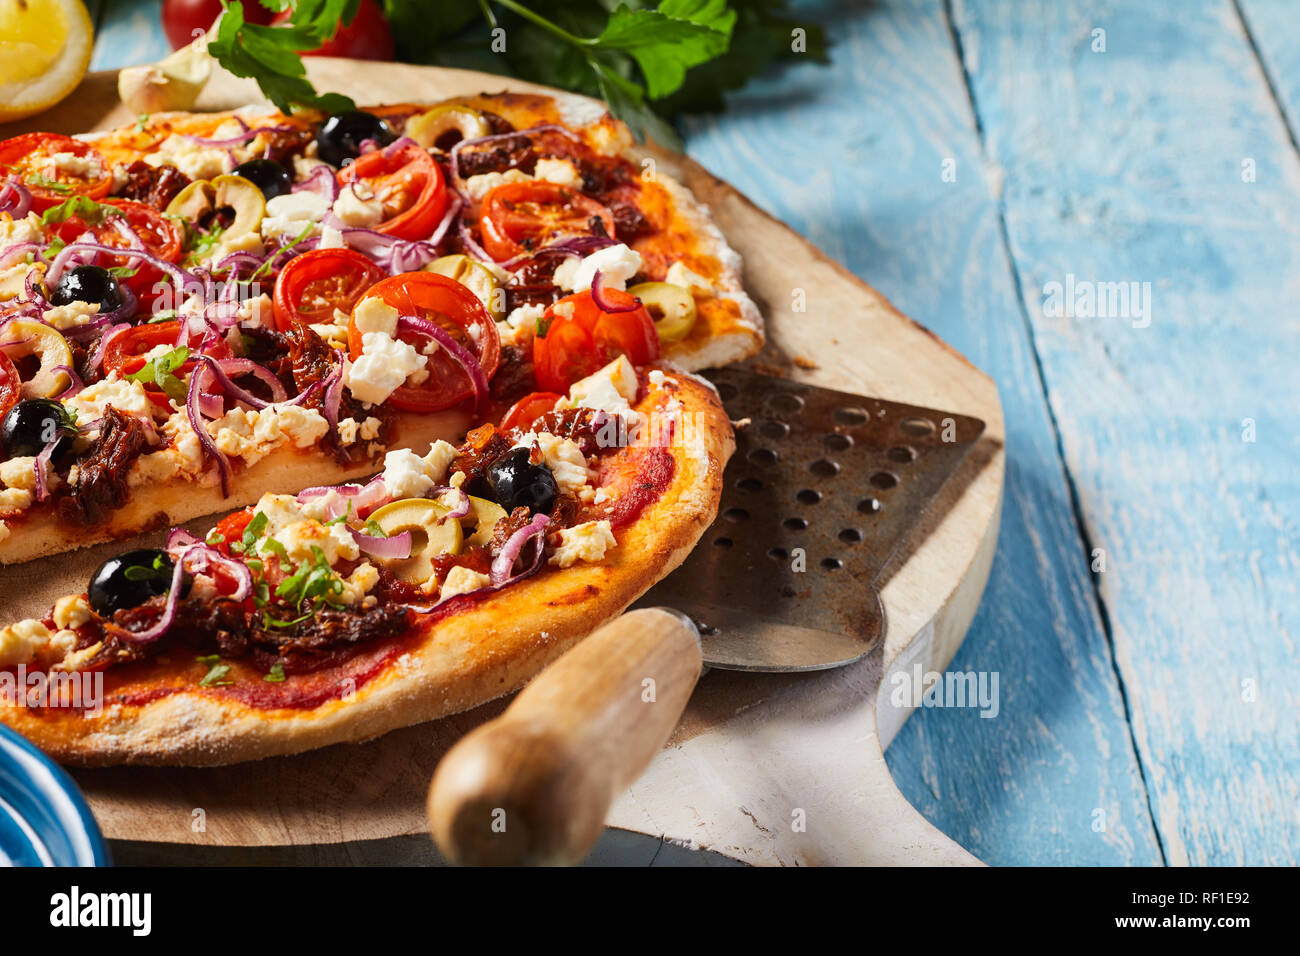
(1274, 28)
(853, 157)
(1163, 160)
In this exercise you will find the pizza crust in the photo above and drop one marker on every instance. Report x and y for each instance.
(470, 657)
(38, 532)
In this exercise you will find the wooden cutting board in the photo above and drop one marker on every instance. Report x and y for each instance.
(769, 769)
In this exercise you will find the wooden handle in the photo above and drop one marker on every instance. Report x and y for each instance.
(534, 785)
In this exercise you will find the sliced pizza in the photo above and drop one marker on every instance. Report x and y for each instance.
(343, 612)
(202, 308)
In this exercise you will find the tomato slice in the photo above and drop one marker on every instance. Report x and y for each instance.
(455, 308)
(231, 528)
(528, 409)
(524, 217)
(159, 235)
(125, 351)
(411, 186)
(11, 385)
(316, 283)
(576, 337)
(31, 158)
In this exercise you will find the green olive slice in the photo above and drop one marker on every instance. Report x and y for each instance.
(483, 515)
(431, 535)
(244, 200)
(476, 277)
(671, 307)
(433, 125)
(21, 338)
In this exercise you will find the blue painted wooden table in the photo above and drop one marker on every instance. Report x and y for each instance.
(1099, 204)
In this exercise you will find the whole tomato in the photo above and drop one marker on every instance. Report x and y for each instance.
(367, 37)
(180, 18)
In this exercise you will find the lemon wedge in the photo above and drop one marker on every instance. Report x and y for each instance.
(44, 51)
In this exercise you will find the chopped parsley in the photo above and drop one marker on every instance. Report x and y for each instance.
(153, 572)
(373, 528)
(217, 671)
(45, 182)
(276, 675)
(200, 244)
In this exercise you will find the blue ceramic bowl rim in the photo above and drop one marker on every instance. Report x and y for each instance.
(61, 829)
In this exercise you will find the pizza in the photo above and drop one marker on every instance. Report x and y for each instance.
(200, 309)
(345, 611)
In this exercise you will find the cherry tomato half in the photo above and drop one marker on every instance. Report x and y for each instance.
(518, 217)
(576, 337)
(11, 385)
(159, 235)
(31, 158)
(445, 301)
(231, 528)
(528, 409)
(411, 186)
(316, 283)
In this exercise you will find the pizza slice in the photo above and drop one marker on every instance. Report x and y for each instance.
(202, 308)
(343, 612)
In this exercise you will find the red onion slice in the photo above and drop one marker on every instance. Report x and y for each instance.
(76, 383)
(397, 145)
(320, 181)
(241, 138)
(15, 199)
(398, 546)
(164, 623)
(504, 562)
(462, 507)
(55, 272)
(179, 537)
(201, 557)
(459, 354)
(41, 467)
(210, 446)
(17, 250)
(347, 491)
(334, 391)
(604, 302)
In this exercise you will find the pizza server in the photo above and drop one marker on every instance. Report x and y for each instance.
(823, 488)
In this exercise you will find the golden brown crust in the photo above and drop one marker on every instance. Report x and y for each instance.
(470, 657)
(38, 531)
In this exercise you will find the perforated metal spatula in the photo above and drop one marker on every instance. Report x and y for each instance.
(823, 488)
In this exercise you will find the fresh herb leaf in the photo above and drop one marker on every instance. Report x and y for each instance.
(374, 529)
(160, 371)
(83, 207)
(276, 674)
(667, 41)
(255, 529)
(270, 55)
(199, 244)
(53, 185)
(216, 672)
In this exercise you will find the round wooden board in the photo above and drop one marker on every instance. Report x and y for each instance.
(742, 758)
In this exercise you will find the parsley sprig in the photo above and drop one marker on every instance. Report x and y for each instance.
(647, 60)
